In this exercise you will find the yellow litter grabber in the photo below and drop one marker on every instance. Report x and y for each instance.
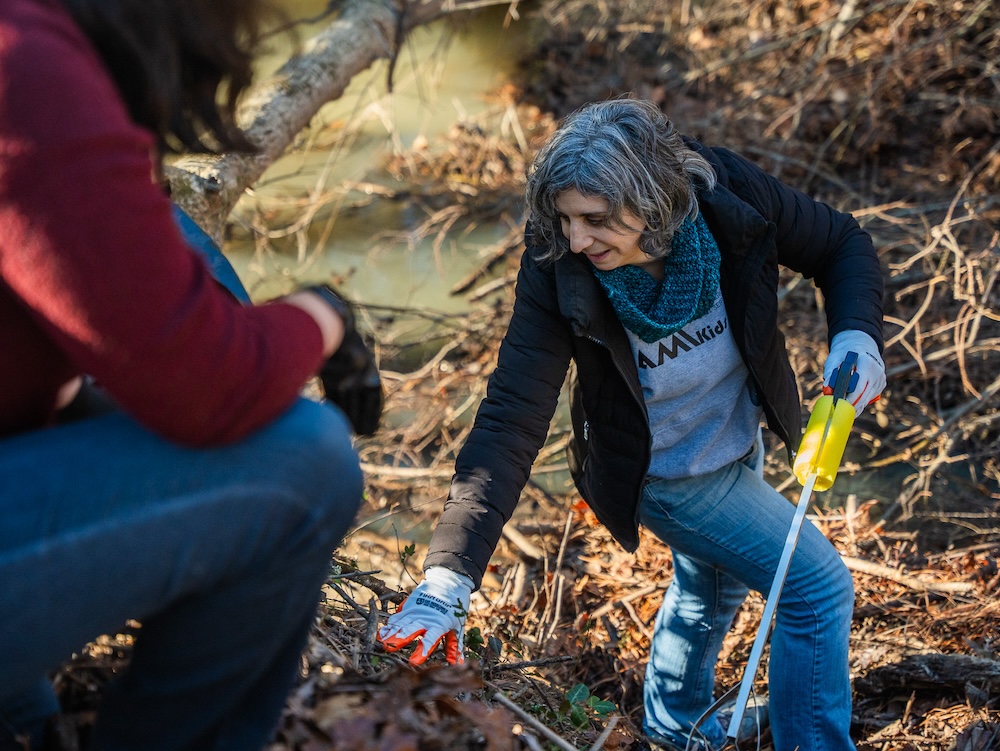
(815, 467)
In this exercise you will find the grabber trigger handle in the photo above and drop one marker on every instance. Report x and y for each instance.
(844, 378)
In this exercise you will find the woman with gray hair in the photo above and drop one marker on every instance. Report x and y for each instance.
(652, 262)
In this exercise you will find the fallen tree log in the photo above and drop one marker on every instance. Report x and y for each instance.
(932, 671)
(277, 109)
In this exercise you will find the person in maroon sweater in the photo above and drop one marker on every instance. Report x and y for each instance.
(207, 501)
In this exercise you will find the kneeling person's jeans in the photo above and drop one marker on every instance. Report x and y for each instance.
(726, 531)
(220, 553)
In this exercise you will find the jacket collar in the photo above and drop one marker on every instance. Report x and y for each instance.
(584, 303)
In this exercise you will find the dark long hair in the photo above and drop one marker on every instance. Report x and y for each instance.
(180, 65)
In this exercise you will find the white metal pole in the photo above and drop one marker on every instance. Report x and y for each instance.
(764, 630)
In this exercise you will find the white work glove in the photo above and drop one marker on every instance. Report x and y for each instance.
(871, 369)
(435, 610)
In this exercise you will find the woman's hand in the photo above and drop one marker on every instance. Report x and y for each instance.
(68, 391)
(349, 375)
(434, 612)
(870, 369)
(331, 324)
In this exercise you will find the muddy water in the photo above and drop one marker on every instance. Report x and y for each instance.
(445, 73)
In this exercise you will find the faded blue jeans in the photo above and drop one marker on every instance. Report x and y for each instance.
(220, 553)
(726, 530)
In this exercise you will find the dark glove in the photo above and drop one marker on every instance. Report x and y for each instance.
(350, 376)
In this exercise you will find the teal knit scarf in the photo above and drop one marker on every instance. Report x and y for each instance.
(654, 309)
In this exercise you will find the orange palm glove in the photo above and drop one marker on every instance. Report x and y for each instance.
(434, 612)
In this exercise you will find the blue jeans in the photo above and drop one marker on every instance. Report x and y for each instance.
(726, 530)
(220, 553)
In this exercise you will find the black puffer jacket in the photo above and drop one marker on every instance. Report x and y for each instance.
(562, 314)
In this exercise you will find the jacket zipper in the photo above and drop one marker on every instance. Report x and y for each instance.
(637, 396)
(642, 403)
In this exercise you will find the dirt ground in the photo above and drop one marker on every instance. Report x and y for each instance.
(890, 110)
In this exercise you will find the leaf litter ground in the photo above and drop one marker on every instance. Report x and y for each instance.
(890, 110)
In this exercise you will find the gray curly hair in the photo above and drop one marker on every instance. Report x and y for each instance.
(628, 152)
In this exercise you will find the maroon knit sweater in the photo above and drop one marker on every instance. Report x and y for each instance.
(94, 275)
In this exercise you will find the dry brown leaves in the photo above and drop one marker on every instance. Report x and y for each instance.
(399, 710)
(886, 108)
(567, 606)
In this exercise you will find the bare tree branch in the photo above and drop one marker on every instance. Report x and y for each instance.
(278, 108)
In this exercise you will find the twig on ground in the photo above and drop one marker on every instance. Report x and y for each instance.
(535, 724)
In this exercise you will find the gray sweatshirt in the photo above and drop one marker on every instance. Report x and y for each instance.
(702, 412)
